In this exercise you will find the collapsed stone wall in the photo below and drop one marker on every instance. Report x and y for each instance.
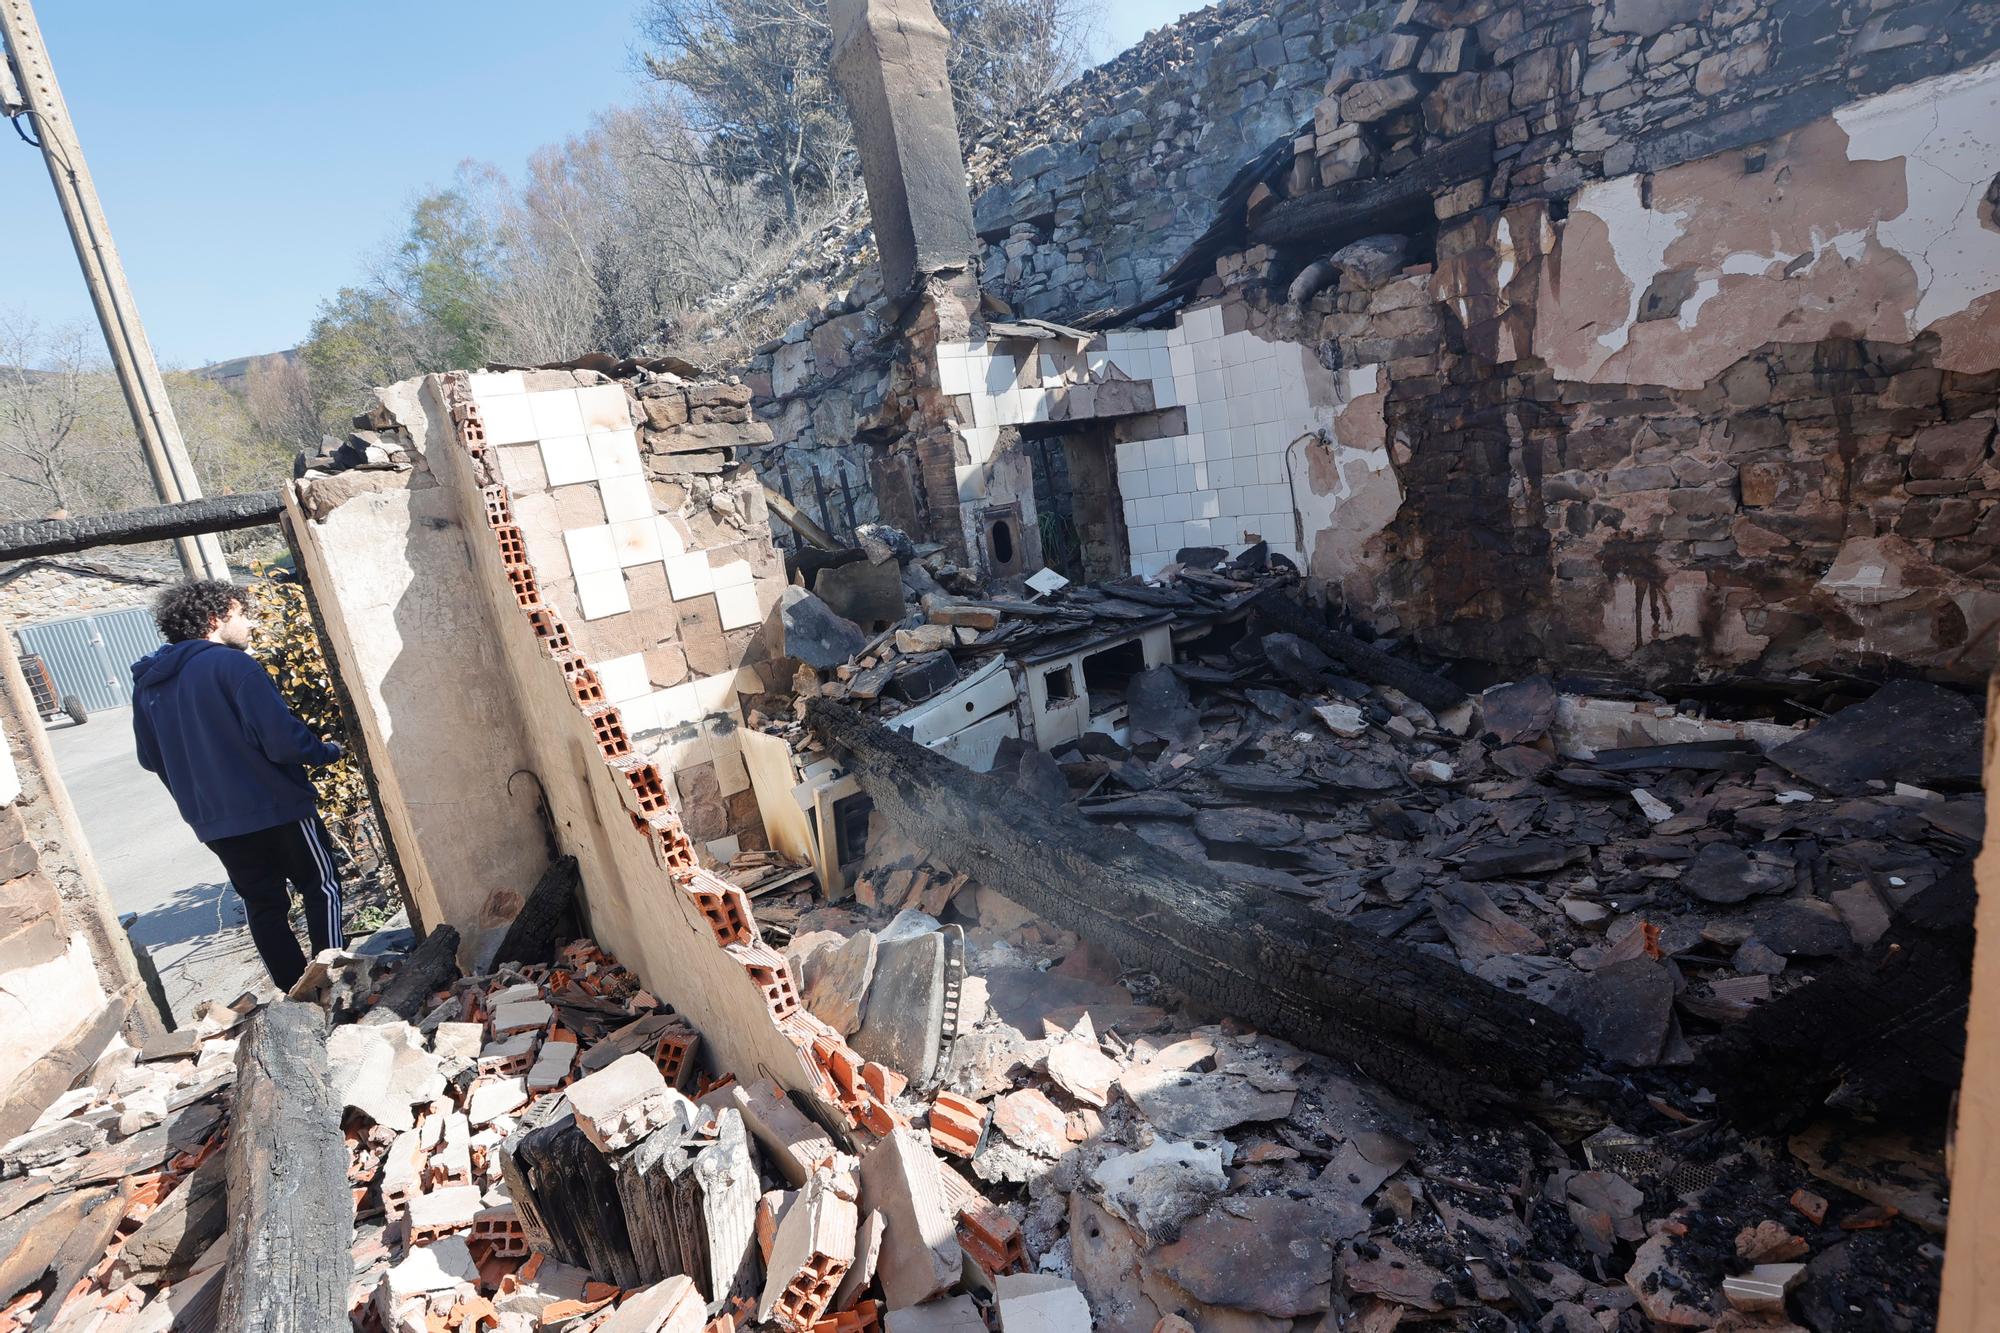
(1082, 203)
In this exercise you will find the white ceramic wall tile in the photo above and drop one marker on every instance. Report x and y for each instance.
(738, 605)
(592, 550)
(566, 458)
(506, 418)
(999, 373)
(971, 482)
(640, 714)
(623, 677)
(716, 694)
(1136, 484)
(671, 542)
(689, 575)
(616, 453)
(1129, 454)
(953, 375)
(679, 705)
(602, 594)
(626, 498)
(604, 407)
(1159, 453)
(731, 574)
(495, 384)
(556, 413)
(638, 541)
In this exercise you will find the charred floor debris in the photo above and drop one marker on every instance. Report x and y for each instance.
(1336, 700)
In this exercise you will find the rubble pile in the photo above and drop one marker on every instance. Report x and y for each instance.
(541, 1150)
(1683, 886)
(112, 1206)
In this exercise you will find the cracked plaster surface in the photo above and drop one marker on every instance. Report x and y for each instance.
(1871, 223)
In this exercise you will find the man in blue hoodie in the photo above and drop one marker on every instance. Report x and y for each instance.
(210, 721)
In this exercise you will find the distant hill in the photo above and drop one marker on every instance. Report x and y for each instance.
(234, 374)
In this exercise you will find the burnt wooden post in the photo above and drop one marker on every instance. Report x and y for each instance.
(291, 1218)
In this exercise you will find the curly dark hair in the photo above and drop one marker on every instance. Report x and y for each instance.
(188, 610)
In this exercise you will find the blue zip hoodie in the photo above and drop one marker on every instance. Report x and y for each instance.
(210, 721)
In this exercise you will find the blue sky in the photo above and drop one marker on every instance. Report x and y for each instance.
(249, 154)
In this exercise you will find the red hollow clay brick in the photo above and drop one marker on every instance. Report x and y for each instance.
(499, 509)
(956, 1124)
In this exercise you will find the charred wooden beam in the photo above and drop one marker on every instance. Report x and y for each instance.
(1416, 1023)
(28, 538)
(1364, 660)
(547, 919)
(1325, 220)
(428, 968)
(291, 1217)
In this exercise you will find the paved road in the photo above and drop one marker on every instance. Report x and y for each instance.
(152, 865)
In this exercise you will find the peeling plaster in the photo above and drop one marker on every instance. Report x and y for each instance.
(1345, 486)
(1640, 238)
(1946, 133)
(1864, 224)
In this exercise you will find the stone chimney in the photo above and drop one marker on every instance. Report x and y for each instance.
(889, 58)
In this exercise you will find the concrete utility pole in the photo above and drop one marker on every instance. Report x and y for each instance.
(29, 87)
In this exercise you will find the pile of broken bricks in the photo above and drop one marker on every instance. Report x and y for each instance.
(541, 1151)
(112, 1204)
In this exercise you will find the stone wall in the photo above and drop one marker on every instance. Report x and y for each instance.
(57, 588)
(1104, 186)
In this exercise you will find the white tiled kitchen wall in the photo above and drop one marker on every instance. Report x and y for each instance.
(1224, 483)
(690, 723)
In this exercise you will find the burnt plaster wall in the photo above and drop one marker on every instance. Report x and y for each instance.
(1731, 408)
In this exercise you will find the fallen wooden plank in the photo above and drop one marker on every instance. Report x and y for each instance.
(1418, 1024)
(291, 1217)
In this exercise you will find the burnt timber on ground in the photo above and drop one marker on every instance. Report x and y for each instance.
(33, 537)
(430, 967)
(291, 1217)
(1282, 613)
(1419, 1025)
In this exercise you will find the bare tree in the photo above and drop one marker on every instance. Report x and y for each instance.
(57, 407)
(285, 405)
(754, 78)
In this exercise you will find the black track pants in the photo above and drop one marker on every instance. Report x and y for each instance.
(259, 866)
